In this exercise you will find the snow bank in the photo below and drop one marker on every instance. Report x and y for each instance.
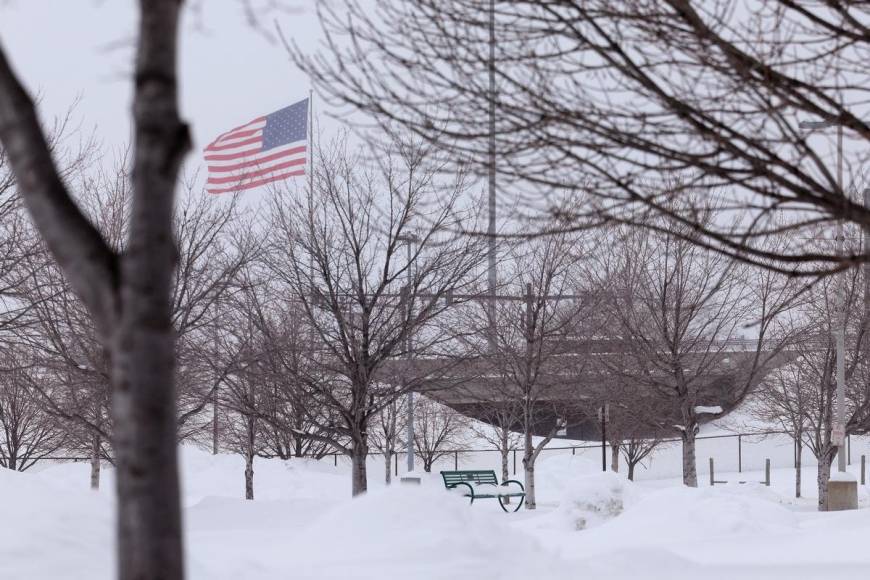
(555, 475)
(50, 533)
(223, 475)
(683, 514)
(592, 500)
(417, 532)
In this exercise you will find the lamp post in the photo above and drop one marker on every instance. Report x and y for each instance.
(409, 239)
(839, 326)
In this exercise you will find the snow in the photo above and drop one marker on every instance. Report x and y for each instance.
(701, 409)
(842, 476)
(304, 525)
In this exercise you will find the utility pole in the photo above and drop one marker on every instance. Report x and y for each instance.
(407, 293)
(841, 322)
(866, 235)
(838, 328)
(491, 231)
(603, 414)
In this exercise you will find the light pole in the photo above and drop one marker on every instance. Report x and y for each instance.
(839, 328)
(409, 239)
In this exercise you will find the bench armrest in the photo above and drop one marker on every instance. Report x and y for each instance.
(468, 485)
(522, 487)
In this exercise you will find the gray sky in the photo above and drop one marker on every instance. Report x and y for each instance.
(230, 73)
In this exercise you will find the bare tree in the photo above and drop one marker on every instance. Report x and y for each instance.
(634, 427)
(385, 434)
(784, 399)
(634, 103)
(438, 430)
(499, 428)
(341, 249)
(128, 295)
(29, 433)
(530, 334)
(810, 386)
(677, 306)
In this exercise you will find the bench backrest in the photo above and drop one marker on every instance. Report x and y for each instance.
(451, 478)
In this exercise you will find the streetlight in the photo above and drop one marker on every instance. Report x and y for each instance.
(409, 239)
(839, 428)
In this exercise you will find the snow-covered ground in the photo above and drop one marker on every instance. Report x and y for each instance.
(304, 525)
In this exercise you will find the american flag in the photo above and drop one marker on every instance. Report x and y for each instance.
(267, 149)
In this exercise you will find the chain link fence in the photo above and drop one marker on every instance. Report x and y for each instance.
(732, 452)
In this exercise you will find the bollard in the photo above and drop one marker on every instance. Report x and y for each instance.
(767, 472)
(712, 480)
(335, 459)
(863, 464)
(573, 451)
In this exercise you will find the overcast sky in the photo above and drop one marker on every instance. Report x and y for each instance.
(230, 73)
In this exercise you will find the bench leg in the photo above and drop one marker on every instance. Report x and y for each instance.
(519, 505)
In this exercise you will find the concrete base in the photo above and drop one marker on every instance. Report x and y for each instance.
(842, 495)
(416, 481)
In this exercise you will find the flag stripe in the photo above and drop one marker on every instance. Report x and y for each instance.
(257, 183)
(256, 140)
(257, 173)
(220, 167)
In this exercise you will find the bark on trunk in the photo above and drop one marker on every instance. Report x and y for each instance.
(631, 471)
(95, 462)
(614, 457)
(214, 425)
(250, 445)
(797, 468)
(388, 472)
(149, 518)
(359, 452)
(503, 449)
(529, 471)
(690, 471)
(504, 457)
(823, 475)
(249, 476)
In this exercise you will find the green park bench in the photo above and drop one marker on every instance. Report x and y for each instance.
(483, 484)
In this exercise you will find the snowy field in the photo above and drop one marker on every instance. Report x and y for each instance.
(303, 525)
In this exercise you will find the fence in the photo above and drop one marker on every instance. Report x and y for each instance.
(733, 452)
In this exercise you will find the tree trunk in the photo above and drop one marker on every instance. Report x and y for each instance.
(529, 471)
(631, 465)
(797, 467)
(127, 295)
(388, 472)
(690, 471)
(145, 439)
(614, 457)
(95, 462)
(249, 459)
(215, 425)
(359, 452)
(823, 475)
(504, 451)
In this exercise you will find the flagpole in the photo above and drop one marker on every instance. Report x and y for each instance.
(311, 198)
